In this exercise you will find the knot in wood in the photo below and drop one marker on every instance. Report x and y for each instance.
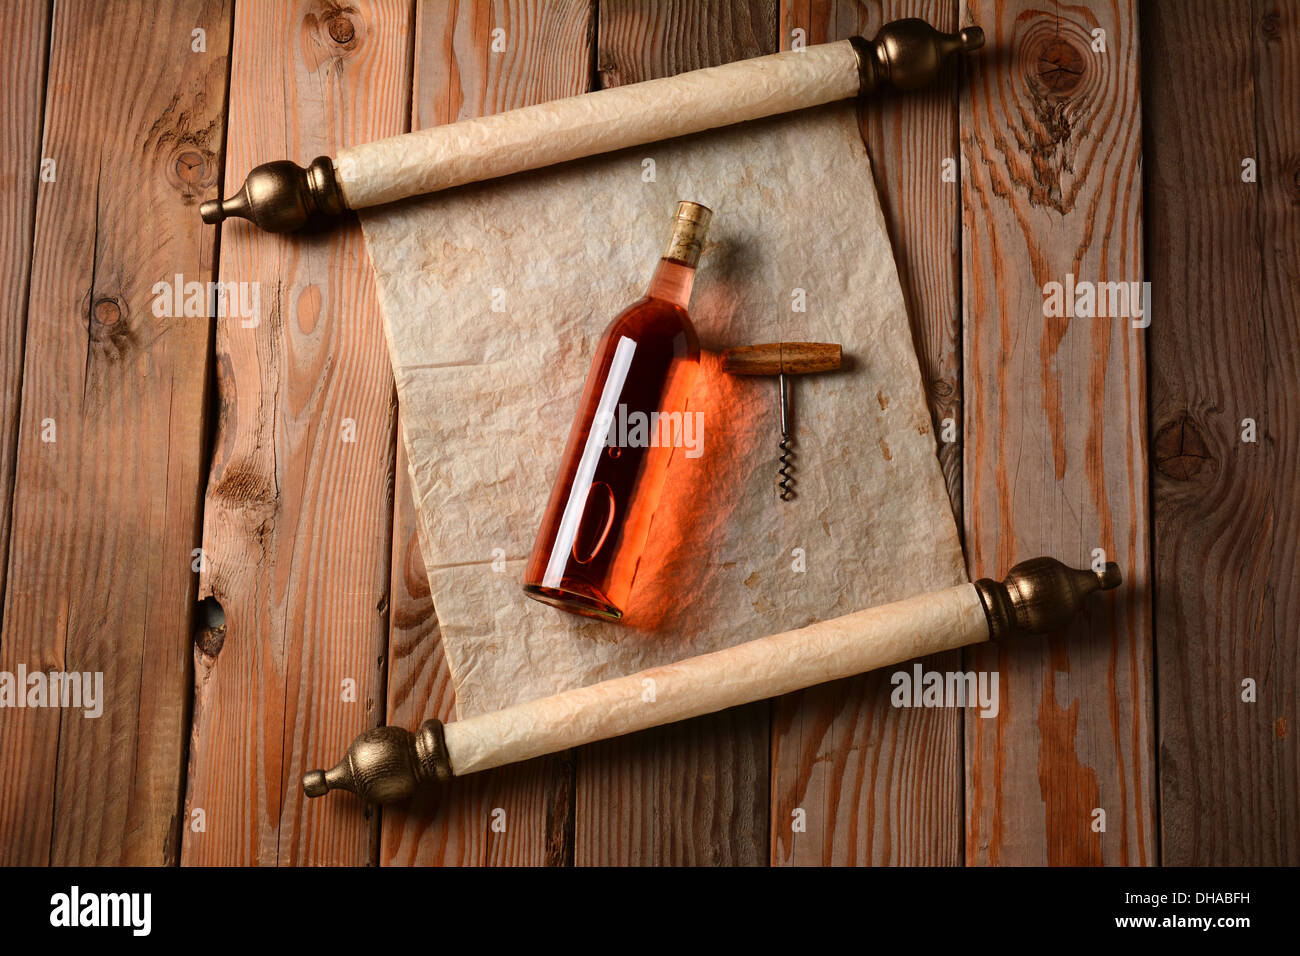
(106, 311)
(107, 320)
(341, 29)
(1181, 452)
(191, 167)
(209, 627)
(1060, 66)
(1270, 25)
(1292, 180)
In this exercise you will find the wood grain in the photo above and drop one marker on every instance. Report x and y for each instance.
(1277, 96)
(1055, 452)
(298, 517)
(547, 54)
(1225, 511)
(776, 358)
(695, 792)
(297, 534)
(106, 514)
(877, 784)
(644, 39)
(22, 93)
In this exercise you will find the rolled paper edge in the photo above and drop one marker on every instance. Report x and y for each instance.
(281, 197)
(1037, 596)
(608, 120)
(755, 670)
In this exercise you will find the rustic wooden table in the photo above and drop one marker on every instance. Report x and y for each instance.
(216, 515)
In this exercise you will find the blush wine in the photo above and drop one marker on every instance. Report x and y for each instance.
(629, 421)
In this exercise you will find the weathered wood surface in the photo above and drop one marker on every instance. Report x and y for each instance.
(1055, 437)
(106, 492)
(1224, 256)
(304, 540)
(1277, 46)
(696, 792)
(877, 784)
(519, 814)
(298, 513)
(22, 94)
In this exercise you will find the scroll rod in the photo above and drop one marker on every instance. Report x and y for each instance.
(388, 764)
(282, 196)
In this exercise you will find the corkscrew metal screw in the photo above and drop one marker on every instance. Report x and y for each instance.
(785, 479)
(782, 359)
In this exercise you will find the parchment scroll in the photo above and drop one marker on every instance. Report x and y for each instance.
(547, 133)
(493, 297)
(755, 670)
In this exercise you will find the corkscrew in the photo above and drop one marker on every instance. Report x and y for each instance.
(785, 476)
(782, 359)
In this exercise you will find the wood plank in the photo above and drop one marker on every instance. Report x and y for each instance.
(1055, 453)
(644, 39)
(106, 515)
(298, 516)
(1277, 103)
(547, 49)
(1225, 512)
(695, 792)
(22, 95)
(881, 785)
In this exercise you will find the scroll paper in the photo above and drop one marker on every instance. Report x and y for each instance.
(493, 297)
(757, 669)
(489, 146)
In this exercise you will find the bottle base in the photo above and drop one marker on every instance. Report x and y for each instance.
(576, 598)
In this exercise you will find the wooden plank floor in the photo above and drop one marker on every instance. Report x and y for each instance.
(457, 76)
(215, 514)
(108, 476)
(878, 784)
(1055, 449)
(298, 513)
(1225, 250)
(692, 793)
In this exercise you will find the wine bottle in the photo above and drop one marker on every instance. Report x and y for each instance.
(630, 419)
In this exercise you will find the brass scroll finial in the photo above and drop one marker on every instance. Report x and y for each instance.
(1040, 595)
(909, 54)
(281, 196)
(386, 764)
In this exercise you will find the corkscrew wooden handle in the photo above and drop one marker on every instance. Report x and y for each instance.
(782, 358)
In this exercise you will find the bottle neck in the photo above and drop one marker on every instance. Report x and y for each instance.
(672, 282)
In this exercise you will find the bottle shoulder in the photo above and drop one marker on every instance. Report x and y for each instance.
(653, 318)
